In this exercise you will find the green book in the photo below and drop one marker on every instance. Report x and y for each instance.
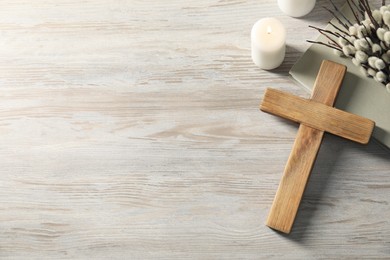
(358, 94)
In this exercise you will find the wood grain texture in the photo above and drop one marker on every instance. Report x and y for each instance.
(317, 115)
(328, 82)
(130, 130)
(296, 174)
(304, 152)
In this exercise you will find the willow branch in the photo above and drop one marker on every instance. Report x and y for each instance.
(356, 15)
(335, 16)
(340, 13)
(338, 28)
(325, 44)
(367, 8)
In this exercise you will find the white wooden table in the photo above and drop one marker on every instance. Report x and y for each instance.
(130, 130)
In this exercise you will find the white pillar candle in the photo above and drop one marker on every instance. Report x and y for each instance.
(268, 38)
(296, 8)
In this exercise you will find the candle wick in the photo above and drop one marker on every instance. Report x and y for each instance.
(269, 29)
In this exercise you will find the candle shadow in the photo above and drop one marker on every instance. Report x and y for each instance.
(292, 56)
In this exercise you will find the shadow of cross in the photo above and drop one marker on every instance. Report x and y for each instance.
(316, 116)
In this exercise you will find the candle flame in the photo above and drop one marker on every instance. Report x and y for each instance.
(269, 29)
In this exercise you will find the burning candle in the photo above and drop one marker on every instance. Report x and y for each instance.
(268, 38)
(296, 8)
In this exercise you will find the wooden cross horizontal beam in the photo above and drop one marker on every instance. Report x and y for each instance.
(316, 116)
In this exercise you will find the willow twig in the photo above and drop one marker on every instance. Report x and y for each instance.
(340, 13)
(338, 19)
(325, 44)
(358, 7)
(326, 33)
(356, 15)
(339, 29)
(367, 8)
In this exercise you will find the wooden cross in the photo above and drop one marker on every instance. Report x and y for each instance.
(316, 116)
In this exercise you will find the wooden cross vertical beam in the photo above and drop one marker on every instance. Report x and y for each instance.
(316, 116)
